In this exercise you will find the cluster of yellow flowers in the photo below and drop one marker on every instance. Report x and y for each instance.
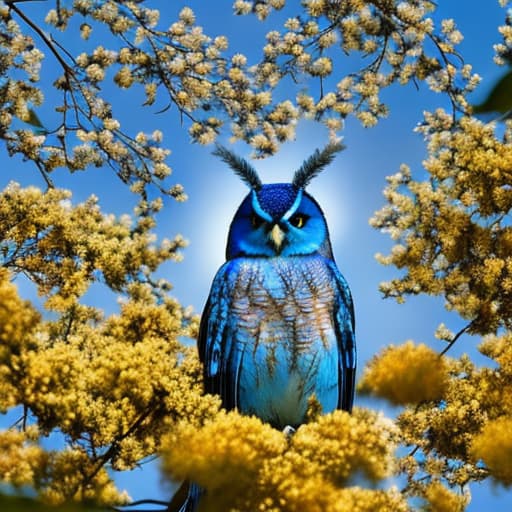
(87, 134)
(453, 230)
(63, 248)
(503, 49)
(111, 385)
(245, 464)
(392, 42)
(452, 238)
(422, 375)
(21, 459)
(458, 418)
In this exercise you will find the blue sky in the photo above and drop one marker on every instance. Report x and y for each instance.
(349, 192)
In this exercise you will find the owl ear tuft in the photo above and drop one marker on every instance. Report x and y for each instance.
(315, 164)
(241, 167)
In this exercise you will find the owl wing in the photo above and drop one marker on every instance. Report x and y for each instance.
(344, 325)
(221, 361)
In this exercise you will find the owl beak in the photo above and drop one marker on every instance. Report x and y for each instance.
(277, 236)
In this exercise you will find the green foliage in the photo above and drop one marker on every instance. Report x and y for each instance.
(499, 98)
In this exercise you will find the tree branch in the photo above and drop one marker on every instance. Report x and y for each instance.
(142, 502)
(455, 338)
(12, 6)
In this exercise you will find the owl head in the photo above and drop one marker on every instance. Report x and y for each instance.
(279, 219)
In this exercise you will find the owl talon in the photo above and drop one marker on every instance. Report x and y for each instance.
(288, 431)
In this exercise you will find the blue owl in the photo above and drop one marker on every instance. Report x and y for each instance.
(278, 326)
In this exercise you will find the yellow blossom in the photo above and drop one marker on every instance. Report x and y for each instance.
(406, 374)
(440, 499)
(493, 445)
(245, 464)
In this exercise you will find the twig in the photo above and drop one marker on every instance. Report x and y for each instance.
(142, 502)
(455, 338)
(111, 451)
(414, 450)
(12, 5)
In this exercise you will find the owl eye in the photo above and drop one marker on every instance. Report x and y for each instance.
(256, 221)
(298, 220)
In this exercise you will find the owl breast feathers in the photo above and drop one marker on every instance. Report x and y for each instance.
(277, 331)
